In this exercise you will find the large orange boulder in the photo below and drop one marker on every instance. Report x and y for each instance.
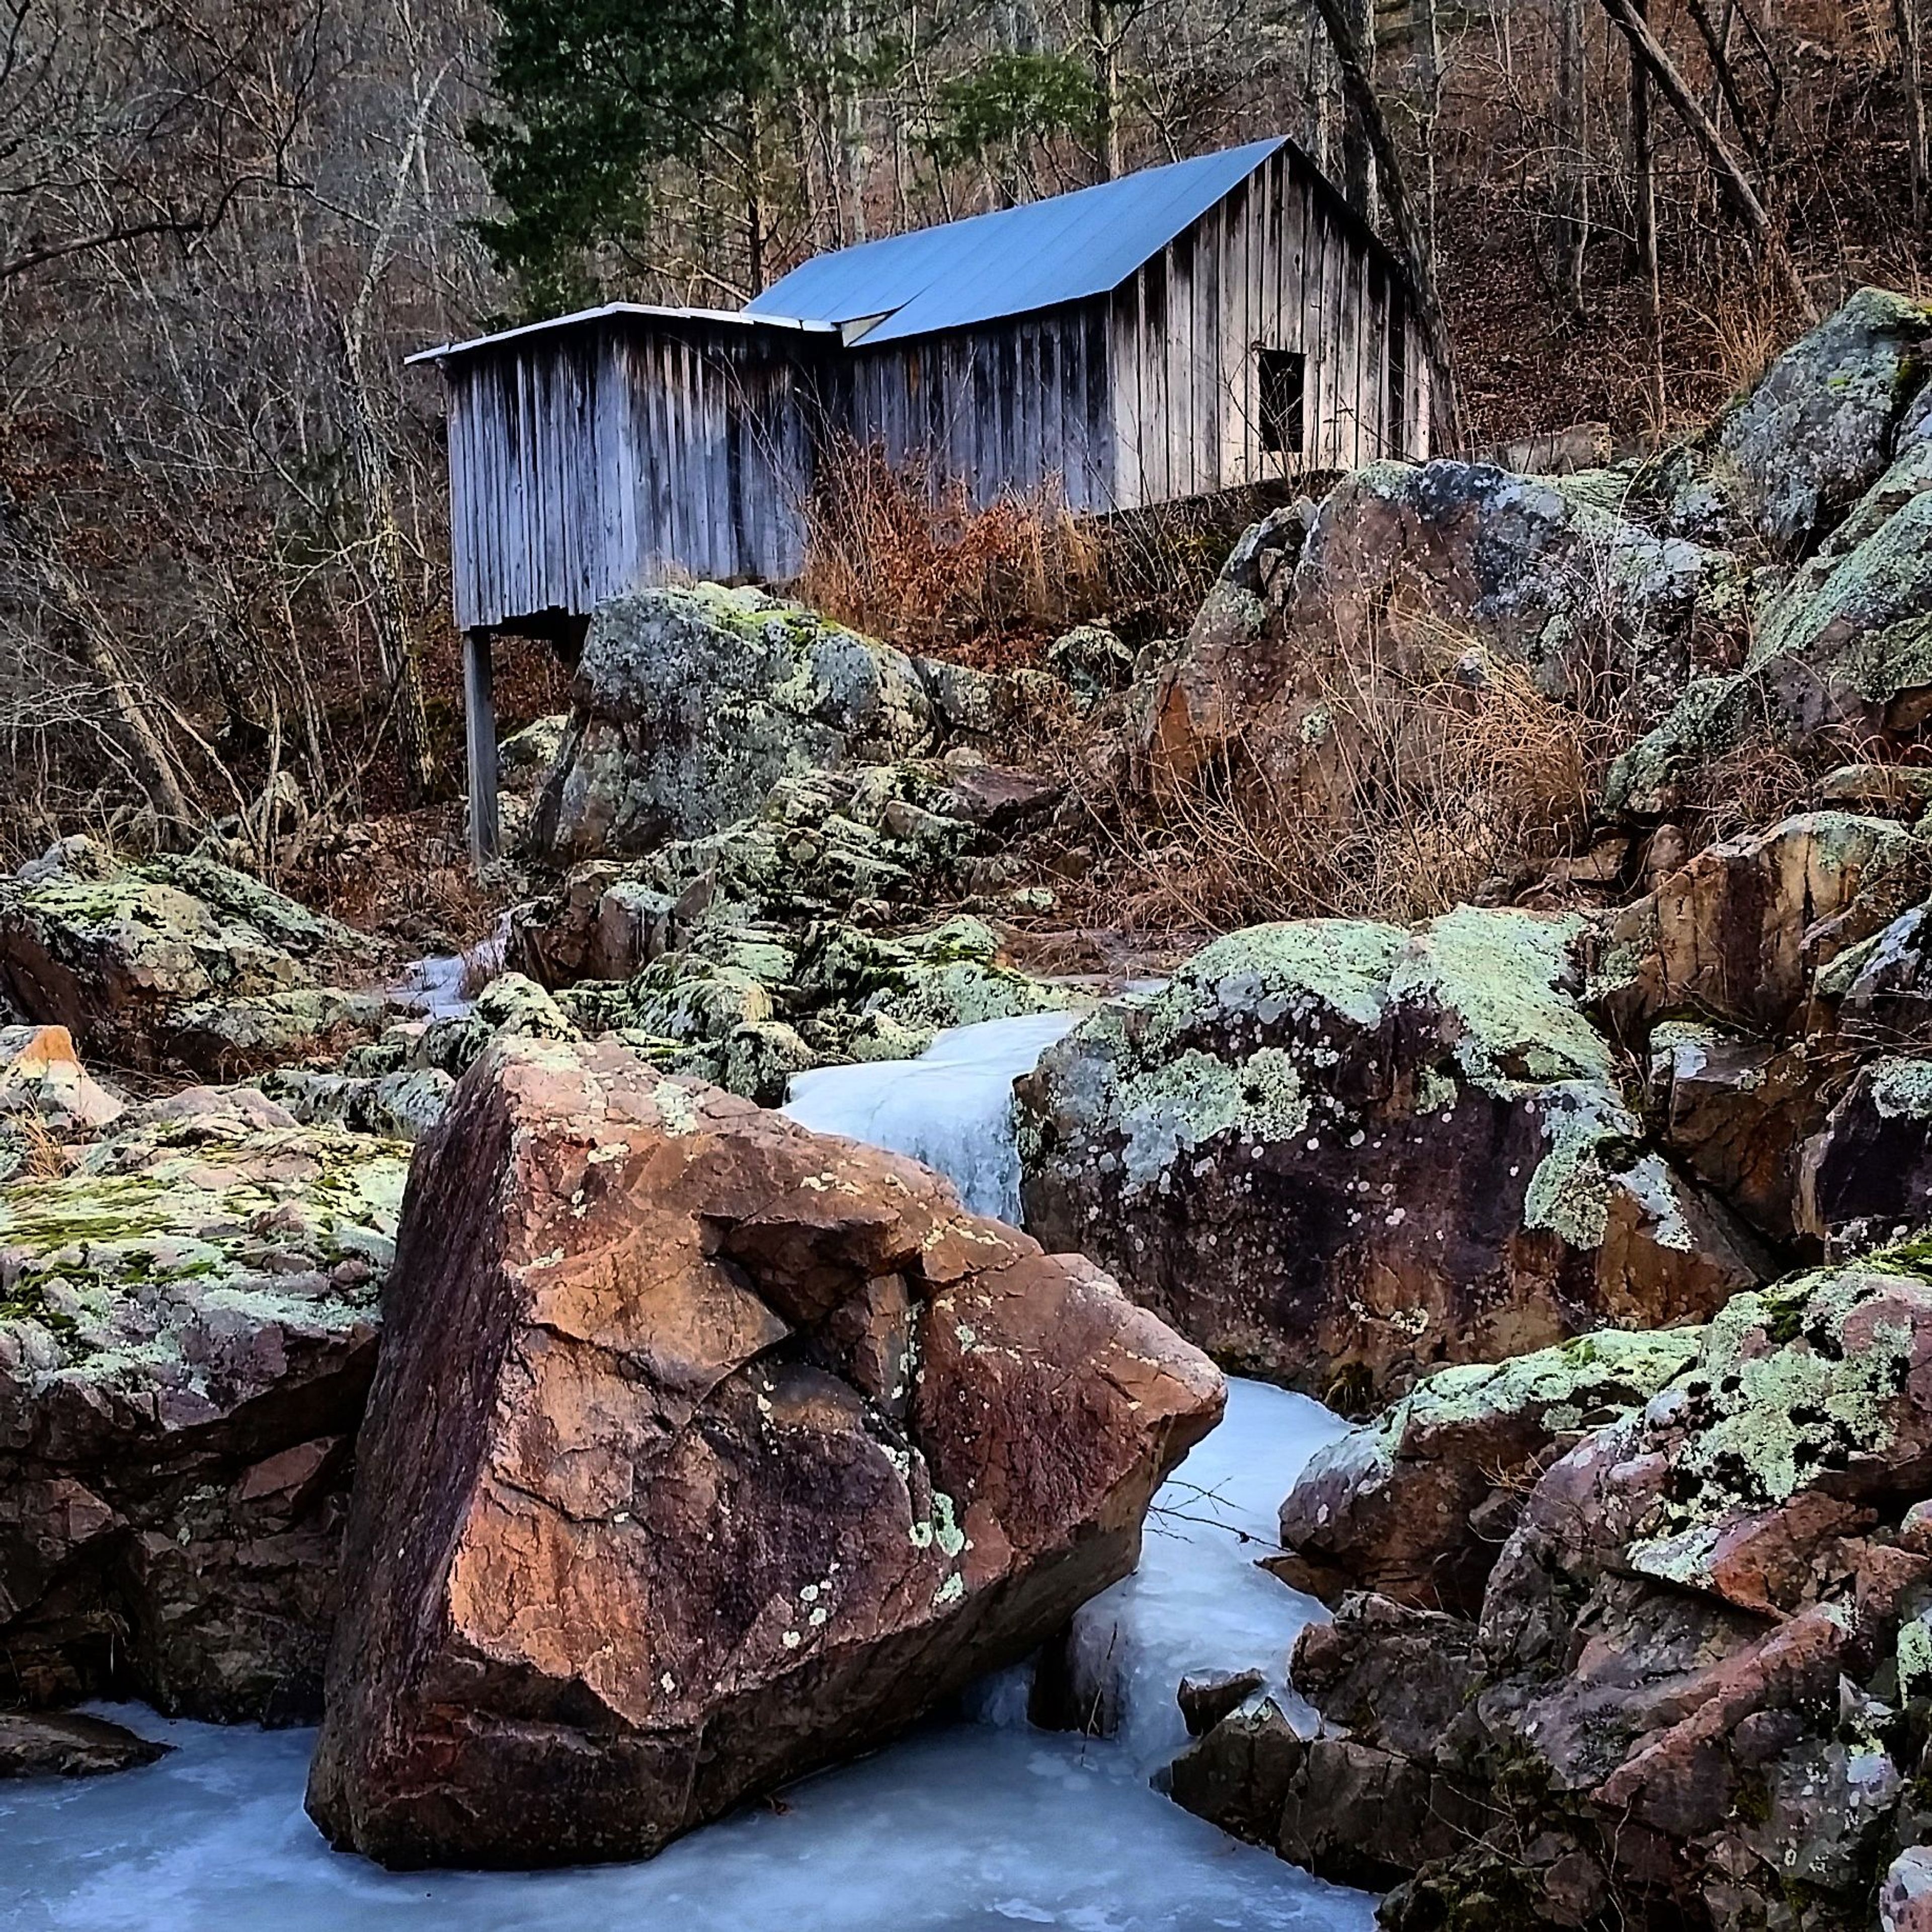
(704, 1450)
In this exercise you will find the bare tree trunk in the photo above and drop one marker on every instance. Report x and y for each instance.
(1425, 33)
(1103, 30)
(1358, 152)
(1643, 198)
(852, 141)
(1643, 174)
(395, 637)
(1717, 44)
(1358, 87)
(1911, 68)
(1644, 45)
(1573, 186)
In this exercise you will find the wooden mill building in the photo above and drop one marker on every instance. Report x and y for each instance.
(1220, 323)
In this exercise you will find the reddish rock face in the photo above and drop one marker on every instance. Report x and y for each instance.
(704, 1451)
(1691, 1693)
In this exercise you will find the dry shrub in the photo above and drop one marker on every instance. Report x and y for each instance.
(931, 572)
(1399, 785)
(42, 1158)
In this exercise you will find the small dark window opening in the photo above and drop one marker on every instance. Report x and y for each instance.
(1398, 385)
(1284, 388)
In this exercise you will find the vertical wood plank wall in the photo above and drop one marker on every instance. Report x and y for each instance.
(589, 460)
(584, 463)
(1280, 262)
(1005, 405)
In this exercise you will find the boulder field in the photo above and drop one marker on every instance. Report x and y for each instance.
(704, 1450)
(700, 1451)
(188, 1332)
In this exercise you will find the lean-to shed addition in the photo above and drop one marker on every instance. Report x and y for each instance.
(1217, 323)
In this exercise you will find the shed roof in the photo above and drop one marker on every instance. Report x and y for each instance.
(615, 311)
(1013, 260)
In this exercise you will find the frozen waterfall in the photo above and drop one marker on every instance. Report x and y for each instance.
(952, 1108)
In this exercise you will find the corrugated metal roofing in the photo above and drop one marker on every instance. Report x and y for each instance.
(1013, 260)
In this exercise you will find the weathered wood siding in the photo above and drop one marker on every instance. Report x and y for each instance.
(1280, 262)
(1012, 405)
(585, 462)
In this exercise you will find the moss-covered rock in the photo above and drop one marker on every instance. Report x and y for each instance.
(115, 952)
(1700, 1658)
(1821, 425)
(1845, 649)
(690, 702)
(1337, 1153)
(402, 1105)
(1416, 1504)
(188, 1326)
(1541, 572)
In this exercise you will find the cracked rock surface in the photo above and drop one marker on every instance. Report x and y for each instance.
(705, 1450)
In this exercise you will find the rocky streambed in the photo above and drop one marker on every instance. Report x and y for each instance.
(678, 1464)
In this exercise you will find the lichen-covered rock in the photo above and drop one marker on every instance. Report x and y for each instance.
(1743, 927)
(525, 758)
(227, 1039)
(188, 1328)
(402, 1105)
(116, 958)
(1338, 1153)
(1867, 1173)
(1844, 649)
(1821, 425)
(510, 1005)
(1091, 661)
(690, 702)
(742, 1007)
(867, 842)
(1416, 1504)
(1535, 571)
(1690, 1693)
(750, 1446)
(40, 1074)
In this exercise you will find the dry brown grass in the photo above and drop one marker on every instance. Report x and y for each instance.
(43, 1156)
(1412, 787)
(982, 585)
(991, 587)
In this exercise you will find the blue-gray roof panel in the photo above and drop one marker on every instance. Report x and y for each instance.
(1013, 260)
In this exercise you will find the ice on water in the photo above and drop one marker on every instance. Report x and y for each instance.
(952, 1108)
(977, 1823)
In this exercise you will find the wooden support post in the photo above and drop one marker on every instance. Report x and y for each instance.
(479, 711)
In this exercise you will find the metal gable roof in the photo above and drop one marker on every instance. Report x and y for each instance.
(1014, 259)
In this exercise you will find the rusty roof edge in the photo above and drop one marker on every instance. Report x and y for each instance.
(610, 311)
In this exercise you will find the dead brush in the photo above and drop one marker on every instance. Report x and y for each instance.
(1393, 786)
(42, 1157)
(933, 573)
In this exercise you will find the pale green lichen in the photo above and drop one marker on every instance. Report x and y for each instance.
(1506, 977)
(1764, 1423)
(1190, 1100)
(1572, 1385)
(1268, 973)
(1900, 1089)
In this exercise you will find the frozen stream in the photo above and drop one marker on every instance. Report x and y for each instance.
(975, 1823)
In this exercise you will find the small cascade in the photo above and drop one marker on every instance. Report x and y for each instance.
(434, 985)
(951, 1108)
